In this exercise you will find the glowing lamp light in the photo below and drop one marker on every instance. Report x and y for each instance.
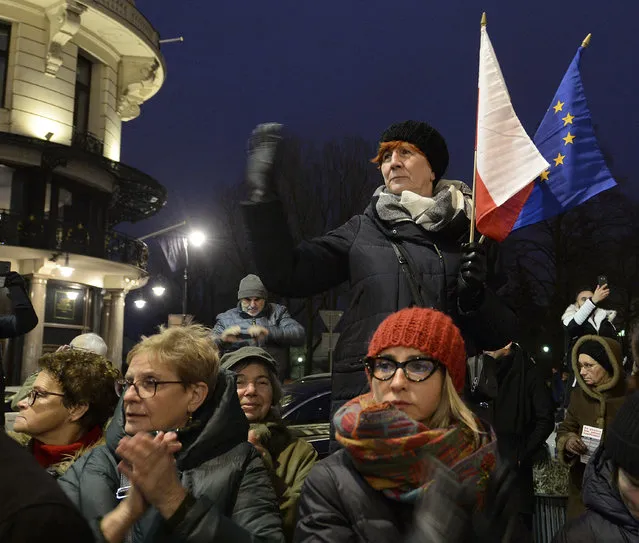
(66, 271)
(139, 303)
(73, 294)
(545, 349)
(197, 238)
(300, 359)
(158, 290)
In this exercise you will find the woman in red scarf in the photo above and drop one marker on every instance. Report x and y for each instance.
(72, 398)
(416, 464)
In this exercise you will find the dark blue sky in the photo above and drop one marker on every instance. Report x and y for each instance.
(351, 67)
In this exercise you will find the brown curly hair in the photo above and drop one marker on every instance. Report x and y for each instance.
(85, 378)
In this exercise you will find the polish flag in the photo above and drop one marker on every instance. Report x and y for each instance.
(508, 162)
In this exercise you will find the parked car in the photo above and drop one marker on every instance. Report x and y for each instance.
(306, 407)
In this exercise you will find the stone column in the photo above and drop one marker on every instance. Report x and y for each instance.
(32, 349)
(105, 316)
(115, 331)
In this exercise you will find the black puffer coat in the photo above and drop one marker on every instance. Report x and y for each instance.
(606, 518)
(360, 252)
(338, 505)
(235, 500)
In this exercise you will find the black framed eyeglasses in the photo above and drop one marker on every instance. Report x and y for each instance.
(34, 394)
(145, 388)
(416, 369)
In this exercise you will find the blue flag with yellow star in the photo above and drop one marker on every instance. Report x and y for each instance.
(566, 139)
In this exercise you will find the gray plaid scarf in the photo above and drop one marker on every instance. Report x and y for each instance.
(450, 198)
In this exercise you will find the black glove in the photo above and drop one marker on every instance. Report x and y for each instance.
(263, 147)
(14, 279)
(501, 503)
(444, 515)
(472, 277)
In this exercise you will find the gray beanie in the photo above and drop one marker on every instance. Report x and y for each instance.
(251, 287)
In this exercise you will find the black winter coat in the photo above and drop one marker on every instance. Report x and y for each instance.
(523, 416)
(32, 506)
(337, 505)
(23, 320)
(235, 500)
(607, 518)
(360, 252)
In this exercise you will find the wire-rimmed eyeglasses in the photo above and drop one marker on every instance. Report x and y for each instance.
(145, 388)
(417, 369)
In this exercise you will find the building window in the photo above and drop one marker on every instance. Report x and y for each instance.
(5, 38)
(82, 95)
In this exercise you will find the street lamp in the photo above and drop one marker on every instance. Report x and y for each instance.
(196, 238)
(158, 290)
(545, 349)
(139, 303)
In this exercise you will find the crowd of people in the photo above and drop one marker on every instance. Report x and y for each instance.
(438, 414)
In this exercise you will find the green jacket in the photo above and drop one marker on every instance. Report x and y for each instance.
(592, 406)
(289, 461)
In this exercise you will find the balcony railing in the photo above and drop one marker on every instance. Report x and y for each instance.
(126, 10)
(63, 236)
(87, 142)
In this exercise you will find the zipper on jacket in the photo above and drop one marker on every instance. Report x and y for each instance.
(443, 286)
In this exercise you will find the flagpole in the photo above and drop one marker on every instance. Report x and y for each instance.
(474, 195)
(586, 41)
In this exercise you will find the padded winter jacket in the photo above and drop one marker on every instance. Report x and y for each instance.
(234, 497)
(360, 252)
(606, 517)
(592, 406)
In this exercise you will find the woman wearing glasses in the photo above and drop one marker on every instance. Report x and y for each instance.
(176, 465)
(596, 362)
(410, 441)
(63, 415)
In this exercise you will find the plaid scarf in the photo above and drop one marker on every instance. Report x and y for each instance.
(450, 198)
(398, 455)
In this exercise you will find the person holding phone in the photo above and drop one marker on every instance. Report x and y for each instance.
(23, 317)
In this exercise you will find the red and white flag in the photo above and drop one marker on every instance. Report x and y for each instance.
(508, 161)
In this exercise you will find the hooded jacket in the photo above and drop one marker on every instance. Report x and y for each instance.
(288, 459)
(234, 497)
(60, 468)
(592, 406)
(360, 253)
(606, 517)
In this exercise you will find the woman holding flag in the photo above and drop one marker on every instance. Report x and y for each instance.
(408, 248)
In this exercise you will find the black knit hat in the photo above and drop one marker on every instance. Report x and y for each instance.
(425, 138)
(622, 436)
(597, 351)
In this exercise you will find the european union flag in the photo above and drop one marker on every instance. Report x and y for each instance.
(567, 141)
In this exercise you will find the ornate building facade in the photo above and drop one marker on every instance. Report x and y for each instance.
(71, 72)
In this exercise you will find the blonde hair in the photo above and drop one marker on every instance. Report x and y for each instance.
(189, 350)
(452, 409)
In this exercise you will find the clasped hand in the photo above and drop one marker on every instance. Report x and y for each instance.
(149, 464)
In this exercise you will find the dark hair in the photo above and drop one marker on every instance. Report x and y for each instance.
(275, 382)
(85, 378)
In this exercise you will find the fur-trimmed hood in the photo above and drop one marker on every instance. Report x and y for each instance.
(613, 350)
(60, 468)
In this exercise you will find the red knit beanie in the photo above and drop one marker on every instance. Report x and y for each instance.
(430, 332)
